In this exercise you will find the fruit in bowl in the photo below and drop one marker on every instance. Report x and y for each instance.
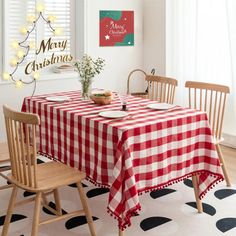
(102, 98)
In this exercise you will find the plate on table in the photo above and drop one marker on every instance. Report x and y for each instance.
(160, 106)
(58, 99)
(113, 114)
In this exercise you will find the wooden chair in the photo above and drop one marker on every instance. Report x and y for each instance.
(40, 179)
(211, 98)
(161, 89)
(143, 94)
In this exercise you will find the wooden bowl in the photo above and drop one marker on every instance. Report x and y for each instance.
(101, 100)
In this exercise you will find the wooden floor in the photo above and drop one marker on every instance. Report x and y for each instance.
(229, 156)
(230, 159)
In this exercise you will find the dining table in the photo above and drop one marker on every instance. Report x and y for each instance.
(147, 148)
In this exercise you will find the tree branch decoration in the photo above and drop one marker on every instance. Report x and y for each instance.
(24, 47)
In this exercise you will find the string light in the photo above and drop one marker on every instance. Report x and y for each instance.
(6, 76)
(51, 18)
(58, 31)
(31, 45)
(15, 44)
(23, 49)
(20, 54)
(40, 7)
(13, 62)
(36, 75)
(23, 30)
(31, 18)
(19, 84)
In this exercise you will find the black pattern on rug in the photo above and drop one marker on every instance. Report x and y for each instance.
(164, 212)
(224, 193)
(77, 221)
(53, 206)
(207, 208)
(14, 218)
(226, 224)
(96, 192)
(162, 192)
(188, 183)
(153, 222)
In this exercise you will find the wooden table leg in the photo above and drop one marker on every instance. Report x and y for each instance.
(196, 192)
(121, 233)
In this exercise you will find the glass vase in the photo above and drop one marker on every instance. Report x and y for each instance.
(86, 89)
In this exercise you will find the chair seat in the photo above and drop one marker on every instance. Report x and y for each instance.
(52, 175)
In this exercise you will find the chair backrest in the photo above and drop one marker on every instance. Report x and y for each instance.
(21, 138)
(210, 98)
(161, 89)
(142, 94)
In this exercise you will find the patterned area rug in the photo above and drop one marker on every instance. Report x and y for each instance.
(167, 212)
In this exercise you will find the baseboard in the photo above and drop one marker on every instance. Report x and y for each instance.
(229, 140)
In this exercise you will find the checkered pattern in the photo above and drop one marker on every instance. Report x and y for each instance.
(150, 151)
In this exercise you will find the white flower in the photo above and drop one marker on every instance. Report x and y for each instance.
(88, 68)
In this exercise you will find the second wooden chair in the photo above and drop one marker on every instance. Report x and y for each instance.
(161, 89)
(211, 98)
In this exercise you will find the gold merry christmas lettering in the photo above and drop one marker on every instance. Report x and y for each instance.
(46, 46)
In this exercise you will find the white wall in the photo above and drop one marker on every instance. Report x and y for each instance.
(14, 97)
(119, 60)
(154, 51)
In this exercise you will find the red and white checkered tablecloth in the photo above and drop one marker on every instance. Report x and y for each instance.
(151, 150)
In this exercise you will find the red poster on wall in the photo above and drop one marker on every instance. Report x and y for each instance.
(116, 28)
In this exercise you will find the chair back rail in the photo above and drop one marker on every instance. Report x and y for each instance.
(21, 137)
(210, 98)
(161, 89)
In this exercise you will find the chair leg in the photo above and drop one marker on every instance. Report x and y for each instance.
(196, 192)
(57, 201)
(35, 224)
(121, 233)
(44, 198)
(9, 211)
(223, 166)
(86, 208)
